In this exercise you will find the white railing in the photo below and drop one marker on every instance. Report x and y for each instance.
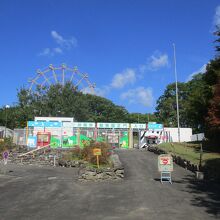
(35, 150)
(38, 149)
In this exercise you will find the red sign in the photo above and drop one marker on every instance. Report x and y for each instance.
(165, 161)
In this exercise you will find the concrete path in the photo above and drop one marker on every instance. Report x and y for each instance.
(30, 192)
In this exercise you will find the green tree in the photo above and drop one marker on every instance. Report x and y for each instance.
(212, 77)
(166, 105)
(142, 118)
(62, 101)
(198, 95)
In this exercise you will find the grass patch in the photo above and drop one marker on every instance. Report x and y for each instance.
(189, 151)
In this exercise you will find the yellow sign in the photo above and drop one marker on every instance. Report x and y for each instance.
(97, 152)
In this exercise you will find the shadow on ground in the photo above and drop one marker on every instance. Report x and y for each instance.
(206, 194)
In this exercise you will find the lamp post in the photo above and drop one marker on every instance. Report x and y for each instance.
(6, 119)
(177, 99)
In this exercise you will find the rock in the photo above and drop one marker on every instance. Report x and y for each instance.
(90, 177)
(90, 173)
(61, 163)
(109, 173)
(199, 175)
(116, 162)
(119, 172)
(100, 176)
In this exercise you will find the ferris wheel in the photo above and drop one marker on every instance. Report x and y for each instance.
(61, 75)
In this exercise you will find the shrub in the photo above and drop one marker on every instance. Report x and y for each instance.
(77, 153)
(6, 144)
(87, 153)
(72, 154)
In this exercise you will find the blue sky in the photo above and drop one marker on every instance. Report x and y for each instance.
(125, 46)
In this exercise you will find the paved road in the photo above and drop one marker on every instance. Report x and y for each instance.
(30, 192)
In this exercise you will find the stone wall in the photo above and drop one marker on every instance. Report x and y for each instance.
(116, 172)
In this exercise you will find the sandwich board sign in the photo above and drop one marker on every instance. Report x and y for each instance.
(165, 163)
(165, 167)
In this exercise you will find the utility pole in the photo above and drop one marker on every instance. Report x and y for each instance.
(177, 99)
(6, 119)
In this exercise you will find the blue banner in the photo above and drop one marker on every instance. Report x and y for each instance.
(155, 126)
(44, 124)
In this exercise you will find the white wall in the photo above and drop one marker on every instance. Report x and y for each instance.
(185, 134)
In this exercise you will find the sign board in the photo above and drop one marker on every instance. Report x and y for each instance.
(112, 125)
(32, 141)
(97, 152)
(138, 126)
(165, 163)
(44, 124)
(79, 124)
(154, 126)
(5, 155)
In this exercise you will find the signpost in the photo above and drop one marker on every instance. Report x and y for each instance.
(5, 155)
(165, 167)
(97, 152)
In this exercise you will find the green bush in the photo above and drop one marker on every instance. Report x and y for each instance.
(6, 144)
(76, 153)
(87, 153)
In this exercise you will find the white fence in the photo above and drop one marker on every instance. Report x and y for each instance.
(197, 137)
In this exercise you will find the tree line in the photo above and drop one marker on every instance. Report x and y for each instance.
(66, 101)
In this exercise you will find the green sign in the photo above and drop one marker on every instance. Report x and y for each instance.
(79, 124)
(138, 126)
(112, 125)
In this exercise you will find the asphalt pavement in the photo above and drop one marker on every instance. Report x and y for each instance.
(32, 192)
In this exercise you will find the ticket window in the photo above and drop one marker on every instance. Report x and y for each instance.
(43, 139)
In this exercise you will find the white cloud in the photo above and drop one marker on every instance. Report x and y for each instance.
(64, 43)
(157, 61)
(103, 91)
(217, 17)
(139, 95)
(200, 70)
(51, 52)
(57, 50)
(45, 52)
(128, 76)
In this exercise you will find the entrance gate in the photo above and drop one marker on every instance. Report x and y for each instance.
(70, 134)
